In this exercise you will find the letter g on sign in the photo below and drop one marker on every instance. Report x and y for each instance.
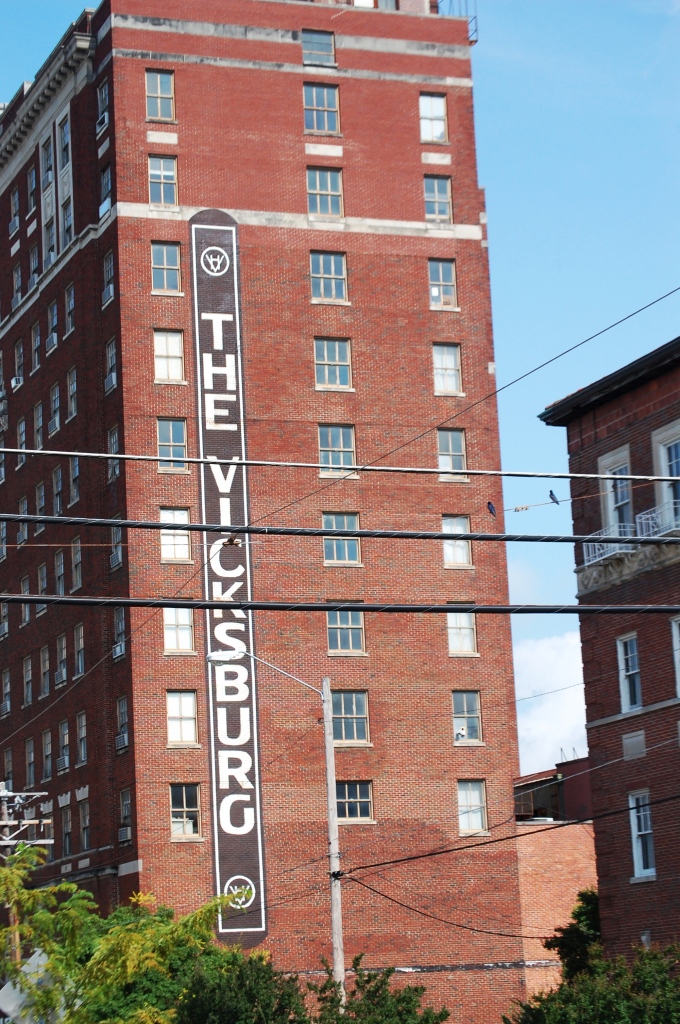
(225, 815)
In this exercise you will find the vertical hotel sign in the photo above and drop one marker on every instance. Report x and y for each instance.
(229, 631)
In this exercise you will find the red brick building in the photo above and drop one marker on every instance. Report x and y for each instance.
(259, 232)
(629, 423)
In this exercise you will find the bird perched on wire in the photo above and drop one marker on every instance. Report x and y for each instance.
(553, 497)
(491, 507)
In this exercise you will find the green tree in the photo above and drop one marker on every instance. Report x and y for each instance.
(573, 942)
(373, 1000)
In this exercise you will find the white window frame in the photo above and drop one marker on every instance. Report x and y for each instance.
(448, 474)
(342, 742)
(442, 391)
(467, 807)
(174, 536)
(171, 623)
(425, 116)
(182, 698)
(341, 540)
(450, 546)
(163, 337)
(660, 440)
(343, 626)
(608, 464)
(624, 689)
(452, 626)
(465, 741)
(638, 870)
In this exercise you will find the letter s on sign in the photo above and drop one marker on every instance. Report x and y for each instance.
(234, 643)
(225, 815)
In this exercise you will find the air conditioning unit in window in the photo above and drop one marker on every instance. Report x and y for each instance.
(47, 179)
(124, 834)
(13, 226)
(33, 281)
(118, 649)
(49, 259)
(102, 123)
(51, 341)
(16, 382)
(4, 629)
(22, 536)
(122, 741)
(62, 763)
(107, 294)
(115, 559)
(110, 381)
(4, 708)
(53, 425)
(60, 676)
(16, 299)
(104, 207)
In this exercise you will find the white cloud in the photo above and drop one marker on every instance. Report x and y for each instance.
(556, 721)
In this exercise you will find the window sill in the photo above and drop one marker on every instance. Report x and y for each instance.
(345, 565)
(450, 394)
(469, 743)
(175, 295)
(445, 309)
(446, 478)
(159, 120)
(183, 382)
(339, 474)
(74, 502)
(108, 302)
(474, 832)
(636, 879)
(464, 654)
(80, 764)
(347, 654)
(322, 135)
(164, 208)
(79, 675)
(180, 654)
(177, 561)
(435, 142)
(187, 839)
(344, 744)
(184, 746)
(328, 387)
(330, 302)
(68, 334)
(71, 417)
(174, 472)
(461, 565)
(41, 612)
(74, 589)
(357, 821)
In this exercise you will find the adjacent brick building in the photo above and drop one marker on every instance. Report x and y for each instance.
(287, 191)
(629, 423)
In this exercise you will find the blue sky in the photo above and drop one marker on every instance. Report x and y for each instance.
(578, 117)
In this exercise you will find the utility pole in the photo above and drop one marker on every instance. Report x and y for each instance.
(333, 839)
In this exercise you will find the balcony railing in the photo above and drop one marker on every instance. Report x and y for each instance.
(598, 547)
(655, 522)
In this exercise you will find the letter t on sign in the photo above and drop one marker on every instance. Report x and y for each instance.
(217, 320)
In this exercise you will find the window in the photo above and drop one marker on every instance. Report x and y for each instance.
(467, 726)
(50, 246)
(14, 203)
(31, 186)
(160, 95)
(64, 144)
(181, 716)
(107, 294)
(42, 588)
(178, 629)
(35, 347)
(28, 681)
(472, 806)
(118, 632)
(16, 282)
(617, 499)
(81, 728)
(67, 223)
(336, 448)
(168, 349)
(163, 180)
(105, 188)
(2, 458)
(78, 650)
(53, 425)
(22, 533)
(341, 550)
(345, 632)
(462, 633)
(451, 445)
(47, 754)
(332, 363)
(116, 557)
(84, 808)
(457, 552)
(350, 717)
(25, 587)
(175, 544)
(122, 718)
(629, 672)
(172, 445)
(59, 572)
(8, 769)
(329, 276)
(63, 743)
(66, 832)
(52, 318)
(6, 692)
(321, 109)
(103, 97)
(113, 471)
(38, 425)
(185, 815)
(433, 118)
(447, 378)
(19, 361)
(74, 479)
(324, 191)
(438, 198)
(60, 674)
(442, 284)
(76, 564)
(675, 628)
(317, 47)
(56, 491)
(3, 540)
(40, 505)
(111, 377)
(4, 617)
(33, 263)
(72, 391)
(165, 276)
(21, 440)
(30, 763)
(641, 833)
(44, 671)
(69, 309)
(354, 801)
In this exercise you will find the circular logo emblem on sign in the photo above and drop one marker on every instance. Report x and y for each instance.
(235, 883)
(214, 261)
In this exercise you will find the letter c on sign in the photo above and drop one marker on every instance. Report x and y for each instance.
(225, 815)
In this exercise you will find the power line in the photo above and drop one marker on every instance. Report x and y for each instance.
(341, 606)
(344, 473)
(319, 531)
